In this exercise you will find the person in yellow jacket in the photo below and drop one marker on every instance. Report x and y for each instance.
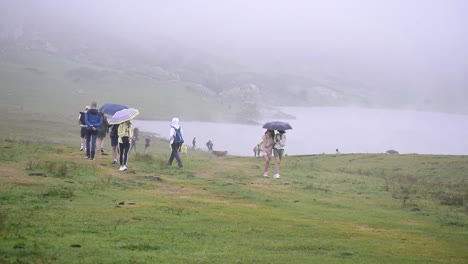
(125, 133)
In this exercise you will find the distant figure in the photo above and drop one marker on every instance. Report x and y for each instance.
(337, 151)
(194, 143)
(392, 151)
(209, 145)
(147, 143)
(175, 146)
(134, 139)
(82, 123)
(255, 150)
(266, 147)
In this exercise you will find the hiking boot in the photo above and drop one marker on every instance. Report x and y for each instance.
(114, 162)
(276, 176)
(81, 148)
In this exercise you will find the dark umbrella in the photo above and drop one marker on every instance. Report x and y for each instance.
(111, 109)
(277, 125)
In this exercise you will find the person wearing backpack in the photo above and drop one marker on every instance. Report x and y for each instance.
(114, 139)
(82, 123)
(93, 119)
(176, 140)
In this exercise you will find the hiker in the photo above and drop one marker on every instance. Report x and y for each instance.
(93, 119)
(134, 139)
(194, 142)
(103, 130)
(184, 149)
(82, 123)
(114, 139)
(278, 151)
(125, 133)
(266, 147)
(256, 150)
(175, 145)
(209, 145)
(147, 143)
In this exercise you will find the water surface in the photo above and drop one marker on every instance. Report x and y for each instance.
(324, 129)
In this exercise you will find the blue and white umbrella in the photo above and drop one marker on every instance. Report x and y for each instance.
(123, 115)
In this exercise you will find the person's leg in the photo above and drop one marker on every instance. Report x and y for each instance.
(93, 144)
(121, 147)
(88, 142)
(82, 137)
(177, 157)
(266, 158)
(101, 145)
(114, 144)
(174, 151)
(98, 143)
(125, 154)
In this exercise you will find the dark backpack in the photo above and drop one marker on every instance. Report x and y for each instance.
(114, 131)
(178, 136)
(82, 118)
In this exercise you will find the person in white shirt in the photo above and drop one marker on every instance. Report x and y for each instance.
(278, 151)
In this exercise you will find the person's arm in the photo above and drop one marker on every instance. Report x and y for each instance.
(121, 131)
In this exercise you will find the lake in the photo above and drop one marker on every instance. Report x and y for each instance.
(319, 130)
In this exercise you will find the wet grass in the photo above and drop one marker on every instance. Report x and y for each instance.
(325, 209)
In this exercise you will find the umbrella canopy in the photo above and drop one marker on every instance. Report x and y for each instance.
(111, 109)
(123, 115)
(277, 125)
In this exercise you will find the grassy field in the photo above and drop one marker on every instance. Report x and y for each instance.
(57, 207)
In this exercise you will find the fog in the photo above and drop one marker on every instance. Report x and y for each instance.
(412, 46)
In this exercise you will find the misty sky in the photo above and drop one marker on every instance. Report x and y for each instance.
(421, 43)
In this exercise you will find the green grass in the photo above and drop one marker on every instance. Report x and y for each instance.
(57, 207)
(325, 209)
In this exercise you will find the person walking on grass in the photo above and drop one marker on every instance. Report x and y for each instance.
(102, 133)
(114, 139)
(176, 140)
(266, 147)
(93, 119)
(278, 151)
(82, 123)
(125, 133)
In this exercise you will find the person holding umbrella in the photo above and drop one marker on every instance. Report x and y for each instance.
(125, 132)
(278, 151)
(266, 147)
(277, 144)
